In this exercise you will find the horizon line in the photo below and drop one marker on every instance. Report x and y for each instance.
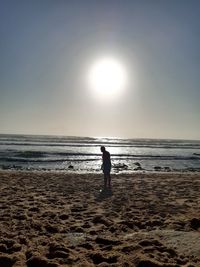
(99, 137)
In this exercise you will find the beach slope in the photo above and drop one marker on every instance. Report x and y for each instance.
(50, 219)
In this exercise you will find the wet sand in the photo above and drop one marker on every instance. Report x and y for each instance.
(52, 219)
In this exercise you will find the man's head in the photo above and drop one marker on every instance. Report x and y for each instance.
(103, 148)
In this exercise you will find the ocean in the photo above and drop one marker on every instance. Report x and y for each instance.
(82, 154)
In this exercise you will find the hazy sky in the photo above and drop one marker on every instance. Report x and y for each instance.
(47, 48)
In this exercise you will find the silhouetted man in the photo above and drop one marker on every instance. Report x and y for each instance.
(106, 166)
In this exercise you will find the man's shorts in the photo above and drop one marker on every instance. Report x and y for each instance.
(106, 169)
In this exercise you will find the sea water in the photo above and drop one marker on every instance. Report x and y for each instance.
(82, 154)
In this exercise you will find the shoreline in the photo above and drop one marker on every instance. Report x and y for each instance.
(119, 172)
(59, 219)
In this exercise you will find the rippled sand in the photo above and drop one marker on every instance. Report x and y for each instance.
(59, 219)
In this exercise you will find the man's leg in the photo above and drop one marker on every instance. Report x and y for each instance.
(105, 180)
(109, 180)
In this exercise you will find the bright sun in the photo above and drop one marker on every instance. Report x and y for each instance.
(107, 78)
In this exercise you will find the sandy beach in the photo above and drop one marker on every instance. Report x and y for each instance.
(51, 219)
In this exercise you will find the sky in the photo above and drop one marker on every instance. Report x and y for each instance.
(47, 48)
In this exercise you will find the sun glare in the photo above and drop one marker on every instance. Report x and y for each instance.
(107, 78)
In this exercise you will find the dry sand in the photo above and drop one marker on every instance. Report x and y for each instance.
(60, 219)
